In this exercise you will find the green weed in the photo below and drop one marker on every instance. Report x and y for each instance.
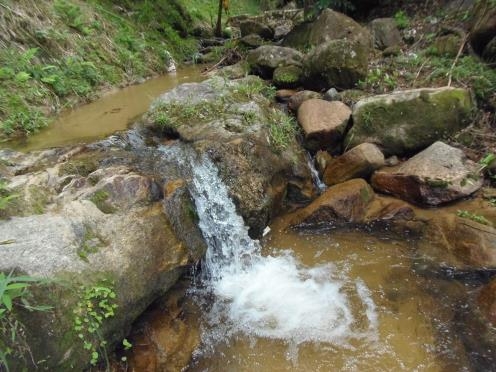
(15, 293)
(282, 130)
(96, 303)
(474, 217)
(401, 19)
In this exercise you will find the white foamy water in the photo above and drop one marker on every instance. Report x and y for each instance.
(270, 297)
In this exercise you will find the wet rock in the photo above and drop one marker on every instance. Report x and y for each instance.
(236, 137)
(322, 158)
(385, 33)
(330, 25)
(487, 302)
(471, 243)
(265, 59)
(164, 339)
(437, 175)
(346, 202)
(298, 98)
(359, 162)
(250, 26)
(395, 212)
(287, 76)
(323, 122)
(407, 121)
(336, 63)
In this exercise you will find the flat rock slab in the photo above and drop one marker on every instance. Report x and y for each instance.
(405, 122)
(437, 175)
(323, 122)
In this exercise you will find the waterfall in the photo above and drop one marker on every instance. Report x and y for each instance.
(321, 186)
(266, 296)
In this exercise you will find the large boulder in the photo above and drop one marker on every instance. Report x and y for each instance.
(439, 174)
(336, 63)
(407, 121)
(253, 145)
(90, 224)
(323, 123)
(359, 162)
(385, 33)
(265, 59)
(330, 25)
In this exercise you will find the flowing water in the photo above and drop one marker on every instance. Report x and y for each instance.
(317, 301)
(113, 112)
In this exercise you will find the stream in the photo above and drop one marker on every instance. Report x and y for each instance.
(342, 300)
(115, 111)
(309, 300)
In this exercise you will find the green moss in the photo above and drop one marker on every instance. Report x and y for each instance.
(99, 198)
(365, 194)
(406, 126)
(474, 217)
(91, 244)
(287, 76)
(82, 166)
(437, 183)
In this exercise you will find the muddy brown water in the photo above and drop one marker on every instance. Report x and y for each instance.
(115, 111)
(414, 329)
(407, 336)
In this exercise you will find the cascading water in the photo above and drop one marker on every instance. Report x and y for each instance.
(272, 297)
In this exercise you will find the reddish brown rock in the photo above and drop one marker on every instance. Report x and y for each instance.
(298, 98)
(359, 162)
(282, 95)
(323, 122)
(346, 202)
(437, 175)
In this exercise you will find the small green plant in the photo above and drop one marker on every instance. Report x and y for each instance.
(378, 80)
(249, 88)
(96, 304)
(6, 196)
(401, 19)
(15, 293)
(486, 163)
(474, 217)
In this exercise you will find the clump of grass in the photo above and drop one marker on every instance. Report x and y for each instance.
(282, 130)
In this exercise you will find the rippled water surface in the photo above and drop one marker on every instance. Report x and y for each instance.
(343, 301)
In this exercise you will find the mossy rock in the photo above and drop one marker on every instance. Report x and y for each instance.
(287, 76)
(404, 122)
(337, 63)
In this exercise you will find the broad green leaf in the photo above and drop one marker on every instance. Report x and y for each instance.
(7, 301)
